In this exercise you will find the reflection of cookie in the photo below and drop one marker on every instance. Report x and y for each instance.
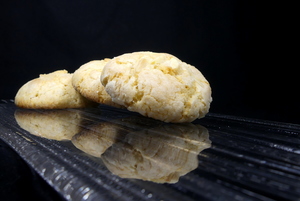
(51, 91)
(157, 85)
(50, 124)
(161, 154)
(86, 81)
(95, 139)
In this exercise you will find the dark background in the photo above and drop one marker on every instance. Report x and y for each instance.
(244, 48)
(236, 44)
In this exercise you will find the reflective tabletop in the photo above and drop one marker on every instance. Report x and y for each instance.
(106, 153)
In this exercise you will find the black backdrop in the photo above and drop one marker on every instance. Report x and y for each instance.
(228, 41)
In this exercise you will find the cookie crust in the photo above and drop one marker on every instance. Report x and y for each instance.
(157, 85)
(86, 80)
(51, 91)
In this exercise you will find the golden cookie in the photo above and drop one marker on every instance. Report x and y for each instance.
(51, 91)
(86, 80)
(157, 85)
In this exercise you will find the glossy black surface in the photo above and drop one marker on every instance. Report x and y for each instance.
(130, 157)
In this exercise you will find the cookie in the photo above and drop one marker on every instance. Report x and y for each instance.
(51, 91)
(157, 85)
(86, 80)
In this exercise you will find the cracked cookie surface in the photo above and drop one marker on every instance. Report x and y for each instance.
(86, 80)
(51, 91)
(157, 85)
